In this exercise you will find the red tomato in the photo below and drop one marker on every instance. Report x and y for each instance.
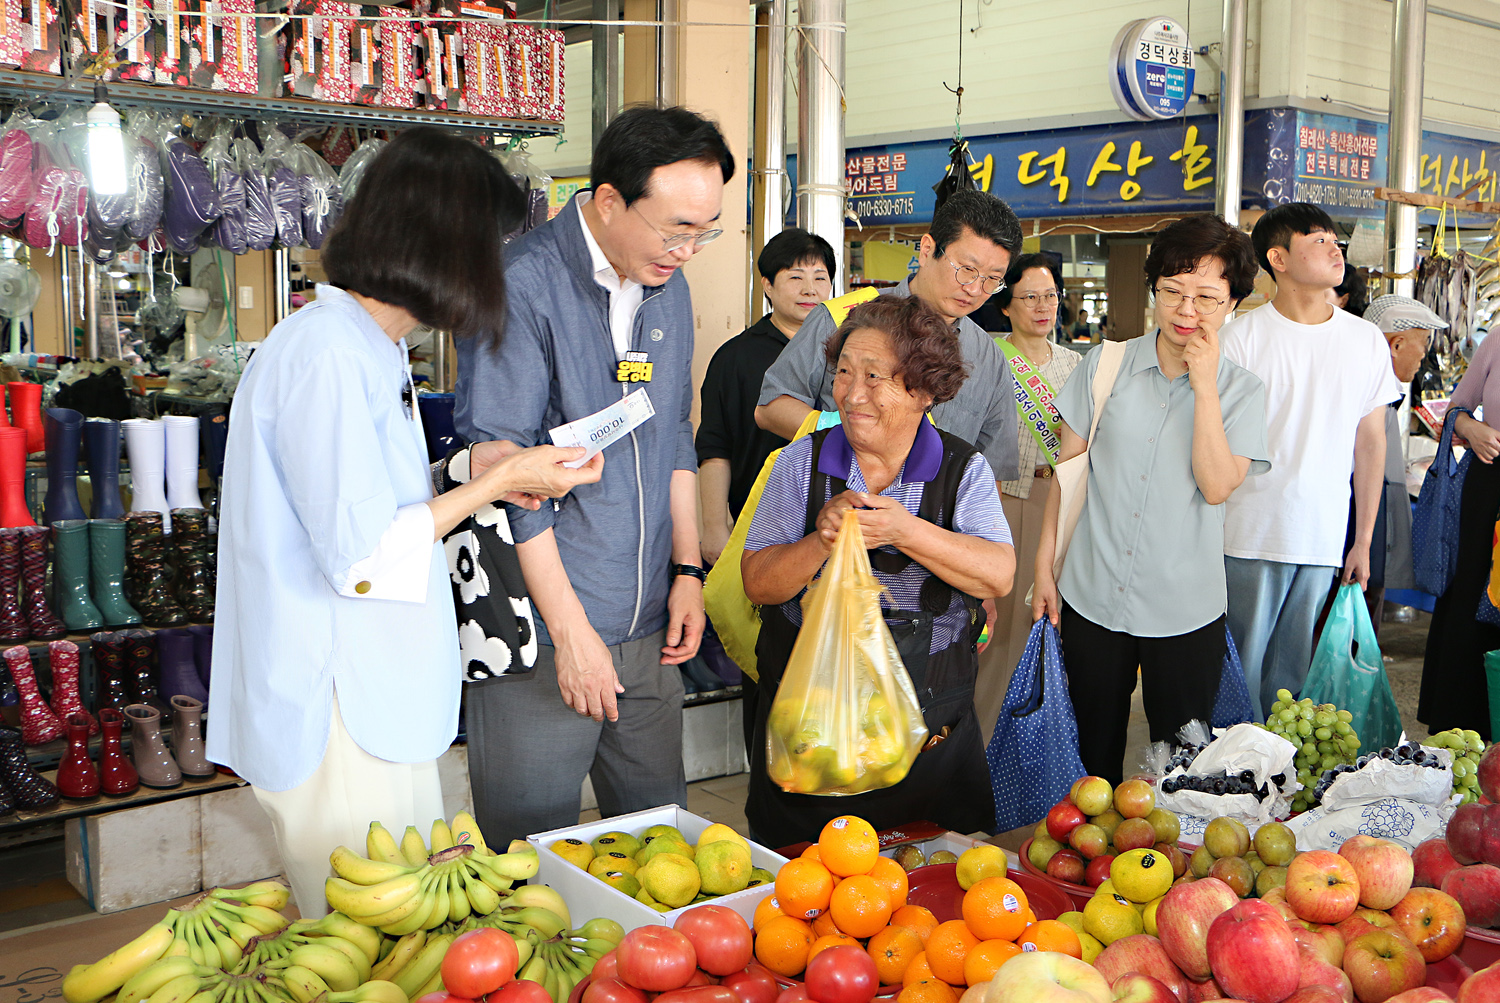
(607, 967)
(842, 975)
(721, 937)
(701, 978)
(522, 991)
(699, 994)
(479, 962)
(753, 985)
(655, 958)
(612, 991)
(796, 994)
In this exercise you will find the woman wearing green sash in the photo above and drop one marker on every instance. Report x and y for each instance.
(1041, 367)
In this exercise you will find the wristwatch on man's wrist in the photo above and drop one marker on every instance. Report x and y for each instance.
(691, 570)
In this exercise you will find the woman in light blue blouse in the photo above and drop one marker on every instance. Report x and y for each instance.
(1143, 580)
(336, 664)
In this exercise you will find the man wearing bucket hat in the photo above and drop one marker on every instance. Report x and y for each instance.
(1407, 326)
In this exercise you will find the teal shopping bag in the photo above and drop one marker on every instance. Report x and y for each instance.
(1347, 672)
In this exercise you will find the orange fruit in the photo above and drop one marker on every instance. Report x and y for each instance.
(928, 991)
(768, 909)
(804, 887)
(892, 877)
(782, 945)
(995, 909)
(859, 906)
(892, 950)
(812, 853)
(946, 949)
(918, 970)
(986, 958)
(824, 925)
(848, 846)
(822, 944)
(1051, 935)
(917, 919)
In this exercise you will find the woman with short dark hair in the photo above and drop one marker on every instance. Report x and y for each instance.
(1143, 583)
(335, 668)
(938, 558)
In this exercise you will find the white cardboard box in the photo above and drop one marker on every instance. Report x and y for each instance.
(588, 897)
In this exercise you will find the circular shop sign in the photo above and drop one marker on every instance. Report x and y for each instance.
(1151, 68)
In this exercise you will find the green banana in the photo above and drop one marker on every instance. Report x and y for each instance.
(422, 967)
(483, 899)
(545, 922)
(406, 948)
(493, 880)
(433, 985)
(270, 894)
(412, 847)
(148, 980)
(515, 865)
(458, 899)
(381, 845)
(375, 991)
(263, 918)
(539, 895)
(534, 970)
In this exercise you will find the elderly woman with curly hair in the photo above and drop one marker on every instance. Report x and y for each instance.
(939, 544)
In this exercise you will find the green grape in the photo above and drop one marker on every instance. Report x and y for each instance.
(1325, 747)
(1345, 716)
(1284, 695)
(1278, 707)
(1352, 743)
(1304, 728)
(1460, 768)
(1308, 750)
(1323, 719)
(1287, 716)
(1341, 729)
(1323, 734)
(1470, 780)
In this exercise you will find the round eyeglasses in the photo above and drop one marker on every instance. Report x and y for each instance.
(672, 241)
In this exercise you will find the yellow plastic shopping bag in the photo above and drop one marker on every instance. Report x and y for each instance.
(845, 719)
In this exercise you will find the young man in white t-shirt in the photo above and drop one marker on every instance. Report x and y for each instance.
(1328, 380)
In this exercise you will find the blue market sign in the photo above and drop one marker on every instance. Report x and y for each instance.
(1132, 168)
(1151, 69)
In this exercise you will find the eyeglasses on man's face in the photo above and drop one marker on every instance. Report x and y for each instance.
(1033, 300)
(1172, 299)
(672, 241)
(967, 276)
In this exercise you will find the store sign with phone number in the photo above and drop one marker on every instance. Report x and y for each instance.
(1164, 167)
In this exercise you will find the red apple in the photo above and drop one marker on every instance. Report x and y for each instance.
(1135, 987)
(1322, 886)
(1489, 774)
(1063, 819)
(1089, 840)
(1382, 964)
(1142, 953)
(1489, 835)
(1367, 921)
(1432, 920)
(1235, 872)
(1464, 831)
(1092, 795)
(1066, 865)
(1314, 971)
(1197, 992)
(1431, 862)
(1174, 856)
(1134, 834)
(1183, 919)
(1135, 799)
(1383, 867)
(1252, 953)
(1048, 977)
(1315, 994)
(1421, 994)
(1098, 870)
(1483, 986)
(1277, 897)
(1326, 941)
(1477, 889)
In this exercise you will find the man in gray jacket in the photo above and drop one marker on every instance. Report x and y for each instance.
(597, 310)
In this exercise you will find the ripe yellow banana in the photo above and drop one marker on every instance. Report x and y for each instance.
(412, 847)
(302, 984)
(434, 985)
(354, 953)
(336, 924)
(269, 893)
(483, 899)
(437, 914)
(494, 881)
(458, 899)
(466, 830)
(148, 980)
(109, 973)
(263, 918)
(415, 918)
(330, 965)
(178, 990)
(441, 837)
(239, 931)
(406, 948)
(364, 902)
(422, 967)
(517, 865)
(362, 870)
(539, 895)
(534, 970)
(374, 991)
(381, 845)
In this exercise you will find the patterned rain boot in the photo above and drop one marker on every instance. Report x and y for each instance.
(45, 624)
(109, 666)
(67, 702)
(194, 583)
(140, 668)
(147, 581)
(30, 789)
(13, 625)
(38, 724)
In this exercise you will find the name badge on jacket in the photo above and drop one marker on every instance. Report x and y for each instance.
(633, 369)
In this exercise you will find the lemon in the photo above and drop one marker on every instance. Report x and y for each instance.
(1110, 917)
(1141, 875)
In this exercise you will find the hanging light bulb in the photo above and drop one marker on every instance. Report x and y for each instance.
(106, 146)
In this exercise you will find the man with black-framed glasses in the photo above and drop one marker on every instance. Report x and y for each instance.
(597, 310)
(961, 262)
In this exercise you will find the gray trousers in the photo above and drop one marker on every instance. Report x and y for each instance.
(1273, 611)
(529, 751)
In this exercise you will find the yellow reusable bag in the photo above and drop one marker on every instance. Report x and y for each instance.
(845, 719)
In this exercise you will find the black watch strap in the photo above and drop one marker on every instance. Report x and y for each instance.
(691, 570)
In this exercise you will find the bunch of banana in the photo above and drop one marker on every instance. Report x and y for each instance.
(180, 980)
(404, 888)
(534, 912)
(415, 964)
(211, 931)
(339, 950)
(562, 962)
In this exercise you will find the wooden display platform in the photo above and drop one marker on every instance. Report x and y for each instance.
(143, 795)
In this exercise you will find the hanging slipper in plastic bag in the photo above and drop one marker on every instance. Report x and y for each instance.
(286, 191)
(260, 211)
(17, 180)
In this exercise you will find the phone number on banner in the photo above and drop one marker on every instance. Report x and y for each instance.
(885, 207)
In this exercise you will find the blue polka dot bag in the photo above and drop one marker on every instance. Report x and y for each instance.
(1033, 754)
(1434, 521)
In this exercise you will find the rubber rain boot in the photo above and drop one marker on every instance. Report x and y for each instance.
(140, 668)
(13, 625)
(213, 427)
(31, 790)
(45, 624)
(77, 777)
(147, 580)
(70, 576)
(38, 724)
(146, 445)
(64, 429)
(116, 774)
(101, 437)
(187, 737)
(107, 572)
(67, 701)
(111, 689)
(178, 670)
(182, 461)
(194, 583)
(26, 413)
(148, 748)
(13, 510)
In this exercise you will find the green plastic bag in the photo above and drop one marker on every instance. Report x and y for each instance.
(1347, 671)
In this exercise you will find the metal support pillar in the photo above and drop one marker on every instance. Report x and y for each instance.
(1231, 113)
(770, 158)
(1408, 52)
(606, 52)
(820, 125)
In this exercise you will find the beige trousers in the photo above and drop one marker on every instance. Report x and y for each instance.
(1012, 613)
(335, 806)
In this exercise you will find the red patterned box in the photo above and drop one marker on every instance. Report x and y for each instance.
(90, 36)
(134, 33)
(335, 24)
(555, 64)
(399, 55)
(365, 63)
(222, 53)
(41, 36)
(488, 88)
(526, 70)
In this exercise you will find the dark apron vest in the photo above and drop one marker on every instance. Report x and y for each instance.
(949, 783)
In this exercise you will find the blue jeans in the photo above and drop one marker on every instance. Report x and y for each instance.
(1273, 608)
